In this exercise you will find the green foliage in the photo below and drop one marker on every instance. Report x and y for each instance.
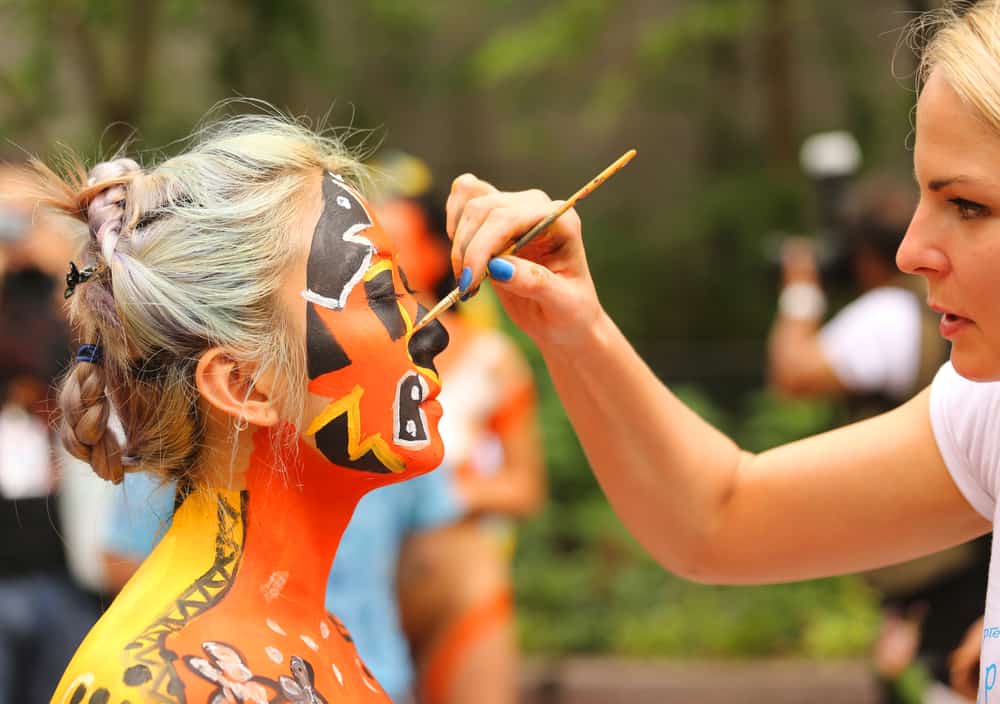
(559, 34)
(696, 25)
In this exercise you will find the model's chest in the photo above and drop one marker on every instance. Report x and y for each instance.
(268, 657)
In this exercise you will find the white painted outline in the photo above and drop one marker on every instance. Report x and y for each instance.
(350, 235)
(396, 437)
(86, 679)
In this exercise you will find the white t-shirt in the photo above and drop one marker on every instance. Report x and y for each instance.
(873, 344)
(965, 416)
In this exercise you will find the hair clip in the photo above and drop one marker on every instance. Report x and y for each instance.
(90, 353)
(75, 277)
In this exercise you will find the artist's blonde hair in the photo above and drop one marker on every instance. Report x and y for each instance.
(189, 254)
(963, 43)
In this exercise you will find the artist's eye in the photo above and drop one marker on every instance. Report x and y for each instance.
(969, 210)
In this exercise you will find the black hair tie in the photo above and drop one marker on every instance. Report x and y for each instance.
(90, 353)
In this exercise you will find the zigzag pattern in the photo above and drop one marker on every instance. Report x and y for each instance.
(149, 648)
(356, 447)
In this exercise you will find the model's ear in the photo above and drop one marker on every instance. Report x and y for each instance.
(229, 386)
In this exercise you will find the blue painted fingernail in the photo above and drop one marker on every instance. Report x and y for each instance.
(465, 279)
(501, 269)
(469, 294)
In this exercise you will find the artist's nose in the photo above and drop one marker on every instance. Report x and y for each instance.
(922, 250)
(427, 342)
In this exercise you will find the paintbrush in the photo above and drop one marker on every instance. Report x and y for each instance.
(542, 225)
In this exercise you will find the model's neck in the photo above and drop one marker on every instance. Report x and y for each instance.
(297, 506)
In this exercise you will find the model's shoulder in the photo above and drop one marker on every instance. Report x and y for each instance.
(100, 678)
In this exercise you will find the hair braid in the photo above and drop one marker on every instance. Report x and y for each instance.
(85, 409)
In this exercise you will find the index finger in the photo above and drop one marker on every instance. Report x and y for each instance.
(463, 189)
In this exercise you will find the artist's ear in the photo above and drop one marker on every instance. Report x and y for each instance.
(230, 387)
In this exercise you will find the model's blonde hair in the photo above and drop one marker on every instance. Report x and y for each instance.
(188, 255)
(962, 41)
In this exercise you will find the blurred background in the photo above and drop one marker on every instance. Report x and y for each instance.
(717, 96)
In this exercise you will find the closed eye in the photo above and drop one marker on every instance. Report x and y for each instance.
(382, 288)
(383, 300)
(969, 210)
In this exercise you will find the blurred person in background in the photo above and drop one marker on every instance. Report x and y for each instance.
(876, 353)
(43, 612)
(454, 582)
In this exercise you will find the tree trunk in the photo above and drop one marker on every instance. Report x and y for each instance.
(778, 85)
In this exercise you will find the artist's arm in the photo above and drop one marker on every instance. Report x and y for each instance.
(839, 502)
(517, 487)
(797, 365)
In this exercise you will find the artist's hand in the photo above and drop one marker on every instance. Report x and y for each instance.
(546, 289)
(798, 261)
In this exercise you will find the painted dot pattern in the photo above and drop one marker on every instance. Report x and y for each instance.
(137, 675)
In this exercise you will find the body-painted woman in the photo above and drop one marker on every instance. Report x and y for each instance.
(246, 320)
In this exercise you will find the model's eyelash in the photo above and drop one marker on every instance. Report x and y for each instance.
(386, 294)
(968, 209)
(406, 283)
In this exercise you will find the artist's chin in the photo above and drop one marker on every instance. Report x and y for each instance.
(976, 362)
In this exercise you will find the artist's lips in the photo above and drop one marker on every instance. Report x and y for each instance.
(951, 323)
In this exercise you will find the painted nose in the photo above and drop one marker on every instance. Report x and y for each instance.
(427, 342)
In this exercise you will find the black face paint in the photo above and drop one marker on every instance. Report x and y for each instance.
(410, 426)
(340, 254)
(406, 282)
(323, 353)
(332, 441)
(428, 342)
(382, 299)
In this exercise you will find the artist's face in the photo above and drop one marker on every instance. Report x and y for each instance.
(372, 381)
(954, 238)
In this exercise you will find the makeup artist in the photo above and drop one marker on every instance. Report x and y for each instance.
(915, 480)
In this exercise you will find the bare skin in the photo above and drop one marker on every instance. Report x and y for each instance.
(699, 504)
(964, 662)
